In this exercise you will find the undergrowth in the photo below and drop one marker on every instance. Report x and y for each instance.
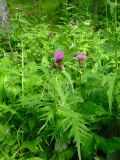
(50, 113)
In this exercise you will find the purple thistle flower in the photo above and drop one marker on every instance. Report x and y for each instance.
(80, 57)
(59, 56)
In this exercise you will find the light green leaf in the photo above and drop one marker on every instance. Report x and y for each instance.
(4, 130)
(31, 145)
(44, 62)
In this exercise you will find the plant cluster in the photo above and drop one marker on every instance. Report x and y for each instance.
(59, 91)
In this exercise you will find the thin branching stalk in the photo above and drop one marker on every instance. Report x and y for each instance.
(22, 71)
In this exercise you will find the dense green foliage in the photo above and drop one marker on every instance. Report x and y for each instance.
(51, 114)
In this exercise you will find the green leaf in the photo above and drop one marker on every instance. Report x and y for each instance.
(4, 130)
(67, 75)
(31, 123)
(60, 145)
(10, 140)
(73, 98)
(78, 129)
(58, 89)
(88, 146)
(108, 145)
(5, 108)
(92, 109)
(31, 145)
(11, 92)
(44, 61)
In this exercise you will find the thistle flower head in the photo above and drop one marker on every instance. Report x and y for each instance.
(59, 56)
(80, 57)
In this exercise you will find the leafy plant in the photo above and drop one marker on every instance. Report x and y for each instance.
(59, 109)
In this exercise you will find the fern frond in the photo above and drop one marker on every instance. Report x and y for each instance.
(78, 129)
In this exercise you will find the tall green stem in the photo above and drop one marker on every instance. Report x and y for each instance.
(80, 70)
(116, 54)
(22, 71)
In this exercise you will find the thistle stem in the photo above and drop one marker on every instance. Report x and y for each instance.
(80, 70)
